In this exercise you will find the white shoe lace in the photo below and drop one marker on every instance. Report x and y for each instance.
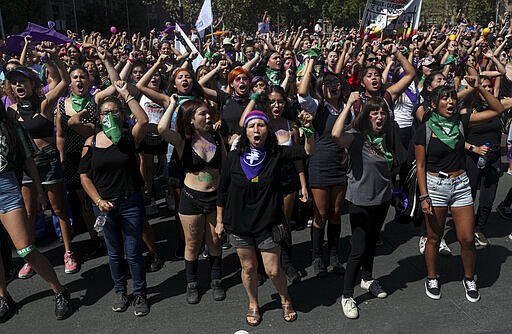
(432, 284)
(471, 285)
(349, 304)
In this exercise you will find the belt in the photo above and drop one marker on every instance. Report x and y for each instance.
(445, 175)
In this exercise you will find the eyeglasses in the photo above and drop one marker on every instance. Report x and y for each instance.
(113, 111)
(279, 101)
(371, 60)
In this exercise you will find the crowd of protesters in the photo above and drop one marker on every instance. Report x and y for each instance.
(270, 132)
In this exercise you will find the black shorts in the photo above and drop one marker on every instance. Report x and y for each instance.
(48, 164)
(194, 202)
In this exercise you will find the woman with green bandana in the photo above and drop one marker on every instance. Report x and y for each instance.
(110, 176)
(76, 120)
(372, 150)
(443, 183)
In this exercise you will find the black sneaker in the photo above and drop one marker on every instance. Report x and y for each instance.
(140, 305)
(481, 240)
(62, 304)
(472, 293)
(218, 291)
(121, 302)
(192, 293)
(373, 286)
(319, 267)
(7, 308)
(291, 273)
(432, 288)
(153, 262)
(336, 265)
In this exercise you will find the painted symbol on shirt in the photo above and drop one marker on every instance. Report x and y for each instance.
(255, 158)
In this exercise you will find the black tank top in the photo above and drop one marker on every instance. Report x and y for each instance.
(36, 124)
(193, 163)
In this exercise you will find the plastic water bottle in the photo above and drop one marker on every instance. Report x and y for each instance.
(100, 221)
(482, 160)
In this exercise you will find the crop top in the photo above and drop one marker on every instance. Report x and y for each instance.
(36, 124)
(193, 163)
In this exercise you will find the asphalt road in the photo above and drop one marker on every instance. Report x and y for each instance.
(398, 265)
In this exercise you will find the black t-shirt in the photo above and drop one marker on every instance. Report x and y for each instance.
(440, 157)
(485, 132)
(230, 114)
(114, 170)
(251, 207)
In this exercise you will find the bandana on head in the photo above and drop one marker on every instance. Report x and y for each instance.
(255, 114)
(252, 163)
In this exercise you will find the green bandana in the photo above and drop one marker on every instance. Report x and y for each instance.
(446, 129)
(273, 75)
(80, 103)
(380, 144)
(184, 98)
(314, 52)
(451, 59)
(112, 127)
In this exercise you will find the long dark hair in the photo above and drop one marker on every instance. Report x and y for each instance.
(442, 92)
(186, 114)
(362, 122)
(8, 130)
(197, 90)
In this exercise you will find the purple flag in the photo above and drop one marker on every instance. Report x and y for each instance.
(15, 43)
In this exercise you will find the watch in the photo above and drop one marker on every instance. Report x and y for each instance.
(471, 148)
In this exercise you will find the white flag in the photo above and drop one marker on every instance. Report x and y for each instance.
(205, 18)
(181, 48)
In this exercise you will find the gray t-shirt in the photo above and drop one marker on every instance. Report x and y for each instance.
(369, 174)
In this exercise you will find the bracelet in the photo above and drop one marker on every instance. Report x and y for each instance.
(129, 99)
(97, 202)
(308, 132)
(424, 197)
(131, 60)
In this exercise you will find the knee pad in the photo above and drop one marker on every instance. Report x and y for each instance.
(25, 251)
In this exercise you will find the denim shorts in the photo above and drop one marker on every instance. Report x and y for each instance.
(452, 192)
(263, 241)
(10, 193)
(47, 160)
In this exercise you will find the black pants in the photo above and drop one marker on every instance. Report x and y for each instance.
(366, 223)
(487, 178)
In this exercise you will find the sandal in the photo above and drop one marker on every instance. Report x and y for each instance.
(289, 314)
(254, 313)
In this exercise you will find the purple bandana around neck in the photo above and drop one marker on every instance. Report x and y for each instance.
(252, 162)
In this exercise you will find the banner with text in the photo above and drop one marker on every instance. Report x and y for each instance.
(389, 15)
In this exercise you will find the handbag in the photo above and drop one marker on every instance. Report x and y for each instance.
(280, 233)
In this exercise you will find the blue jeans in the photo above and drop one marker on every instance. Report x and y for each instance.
(123, 236)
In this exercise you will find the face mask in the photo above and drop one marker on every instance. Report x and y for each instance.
(112, 127)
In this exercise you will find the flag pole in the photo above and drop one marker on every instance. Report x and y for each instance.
(213, 39)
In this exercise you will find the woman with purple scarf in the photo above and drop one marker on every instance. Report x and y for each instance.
(249, 204)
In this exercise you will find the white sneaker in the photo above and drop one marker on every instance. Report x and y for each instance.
(349, 308)
(510, 236)
(422, 243)
(444, 249)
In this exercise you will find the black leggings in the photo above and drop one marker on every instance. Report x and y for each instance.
(366, 223)
(487, 178)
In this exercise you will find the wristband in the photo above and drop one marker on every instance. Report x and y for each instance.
(97, 202)
(424, 197)
(129, 99)
(471, 148)
(131, 60)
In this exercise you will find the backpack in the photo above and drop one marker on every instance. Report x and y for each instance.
(505, 120)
